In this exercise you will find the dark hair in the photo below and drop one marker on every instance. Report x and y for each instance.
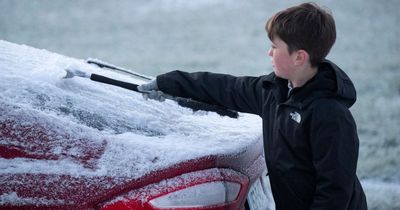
(307, 27)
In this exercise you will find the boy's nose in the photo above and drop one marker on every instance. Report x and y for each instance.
(270, 52)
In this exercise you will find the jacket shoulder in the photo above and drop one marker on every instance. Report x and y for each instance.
(329, 109)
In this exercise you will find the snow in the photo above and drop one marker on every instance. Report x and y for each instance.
(383, 195)
(129, 135)
(169, 185)
(7, 198)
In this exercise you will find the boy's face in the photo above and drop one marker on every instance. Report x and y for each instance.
(282, 61)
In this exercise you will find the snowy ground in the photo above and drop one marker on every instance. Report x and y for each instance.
(226, 36)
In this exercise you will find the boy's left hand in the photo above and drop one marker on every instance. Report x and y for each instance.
(150, 91)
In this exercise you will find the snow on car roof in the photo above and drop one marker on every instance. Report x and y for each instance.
(139, 136)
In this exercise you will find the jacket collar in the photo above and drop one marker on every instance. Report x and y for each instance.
(330, 81)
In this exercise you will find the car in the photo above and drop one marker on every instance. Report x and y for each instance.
(73, 143)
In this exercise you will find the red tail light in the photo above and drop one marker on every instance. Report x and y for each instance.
(211, 189)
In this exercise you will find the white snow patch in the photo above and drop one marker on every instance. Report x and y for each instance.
(12, 197)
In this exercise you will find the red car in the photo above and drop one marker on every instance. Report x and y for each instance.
(77, 144)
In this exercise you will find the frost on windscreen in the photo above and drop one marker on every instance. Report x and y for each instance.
(84, 138)
(95, 129)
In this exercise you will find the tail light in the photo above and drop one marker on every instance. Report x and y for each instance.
(212, 189)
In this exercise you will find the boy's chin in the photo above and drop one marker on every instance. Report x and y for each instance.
(278, 74)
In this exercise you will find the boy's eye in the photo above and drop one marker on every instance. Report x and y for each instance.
(273, 46)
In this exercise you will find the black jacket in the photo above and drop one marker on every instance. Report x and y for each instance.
(310, 137)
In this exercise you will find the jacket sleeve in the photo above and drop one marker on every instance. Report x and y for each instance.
(334, 145)
(236, 93)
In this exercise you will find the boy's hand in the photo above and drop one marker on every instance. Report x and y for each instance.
(150, 91)
(73, 70)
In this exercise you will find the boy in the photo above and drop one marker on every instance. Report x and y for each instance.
(310, 137)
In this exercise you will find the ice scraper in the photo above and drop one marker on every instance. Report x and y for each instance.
(185, 102)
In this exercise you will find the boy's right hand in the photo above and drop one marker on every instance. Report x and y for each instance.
(150, 91)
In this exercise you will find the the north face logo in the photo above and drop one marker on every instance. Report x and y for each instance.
(296, 117)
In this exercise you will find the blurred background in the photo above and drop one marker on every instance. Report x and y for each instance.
(156, 36)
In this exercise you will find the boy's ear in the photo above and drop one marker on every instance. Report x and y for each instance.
(301, 57)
